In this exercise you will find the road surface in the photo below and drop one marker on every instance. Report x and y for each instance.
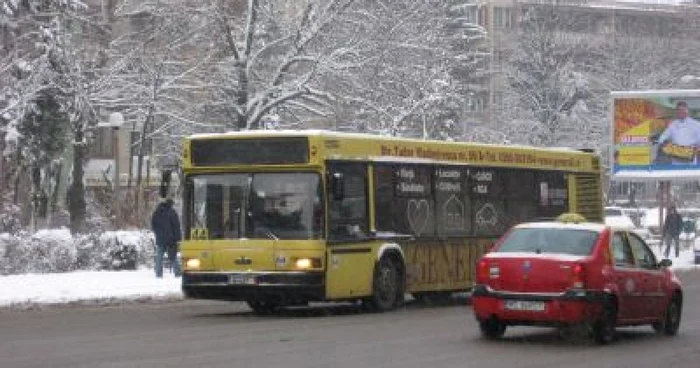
(216, 334)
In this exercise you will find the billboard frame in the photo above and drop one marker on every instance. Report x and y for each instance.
(647, 175)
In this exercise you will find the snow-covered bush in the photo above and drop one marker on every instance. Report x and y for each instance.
(60, 255)
(9, 217)
(57, 251)
(115, 250)
(142, 242)
(44, 251)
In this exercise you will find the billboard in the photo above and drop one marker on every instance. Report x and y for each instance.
(656, 134)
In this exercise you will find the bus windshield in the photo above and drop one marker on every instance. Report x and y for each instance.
(255, 205)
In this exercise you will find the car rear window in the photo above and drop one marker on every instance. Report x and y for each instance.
(577, 242)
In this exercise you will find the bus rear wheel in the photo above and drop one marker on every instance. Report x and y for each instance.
(386, 287)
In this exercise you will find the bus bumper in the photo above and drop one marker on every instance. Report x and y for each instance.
(280, 287)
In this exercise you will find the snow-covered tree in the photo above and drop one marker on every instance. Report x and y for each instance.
(647, 52)
(639, 52)
(155, 77)
(29, 69)
(548, 82)
(416, 59)
(379, 66)
(270, 56)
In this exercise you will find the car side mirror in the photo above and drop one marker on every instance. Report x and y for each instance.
(665, 263)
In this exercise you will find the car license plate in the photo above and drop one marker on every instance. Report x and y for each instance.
(524, 305)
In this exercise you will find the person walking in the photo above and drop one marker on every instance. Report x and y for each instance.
(166, 227)
(673, 225)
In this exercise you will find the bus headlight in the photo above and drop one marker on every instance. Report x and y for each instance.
(303, 263)
(306, 263)
(193, 263)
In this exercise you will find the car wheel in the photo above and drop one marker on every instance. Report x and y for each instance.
(261, 307)
(603, 329)
(672, 318)
(385, 287)
(492, 328)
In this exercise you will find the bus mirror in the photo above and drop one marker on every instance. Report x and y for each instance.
(338, 186)
(165, 182)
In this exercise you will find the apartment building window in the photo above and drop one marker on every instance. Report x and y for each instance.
(497, 100)
(475, 103)
(472, 14)
(483, 16)
(501, 17)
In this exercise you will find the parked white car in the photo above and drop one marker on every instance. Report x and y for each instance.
(615, 216)
(651, 222)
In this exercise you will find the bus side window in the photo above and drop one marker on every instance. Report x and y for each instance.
(348, 215)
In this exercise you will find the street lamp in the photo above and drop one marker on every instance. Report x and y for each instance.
(116, 119)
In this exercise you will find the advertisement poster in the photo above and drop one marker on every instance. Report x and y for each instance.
(656, 134)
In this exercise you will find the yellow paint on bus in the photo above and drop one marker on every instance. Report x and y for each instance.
(432, 245)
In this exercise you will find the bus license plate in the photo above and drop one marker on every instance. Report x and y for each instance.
(237, 279)
(524, 305)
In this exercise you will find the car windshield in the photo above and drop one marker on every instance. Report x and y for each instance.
(577, 242)
(258, 206)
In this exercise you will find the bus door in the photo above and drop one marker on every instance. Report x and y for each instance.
(350, 257)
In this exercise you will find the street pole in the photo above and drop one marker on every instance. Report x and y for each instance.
(116, 120)
(117, 203)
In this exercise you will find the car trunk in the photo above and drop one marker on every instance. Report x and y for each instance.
(525, 272)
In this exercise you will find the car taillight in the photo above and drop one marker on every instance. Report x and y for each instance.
(487, 271)
(483, 272)
(578, 276)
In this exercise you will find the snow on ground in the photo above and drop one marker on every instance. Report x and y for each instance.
(87, 287)
(100, 287)
(686, 261)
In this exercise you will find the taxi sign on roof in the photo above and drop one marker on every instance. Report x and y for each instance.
(571, 217)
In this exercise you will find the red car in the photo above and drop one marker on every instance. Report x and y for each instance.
(564, 273)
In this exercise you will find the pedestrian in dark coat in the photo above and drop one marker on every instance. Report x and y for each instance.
(672, 229)
(166, 227)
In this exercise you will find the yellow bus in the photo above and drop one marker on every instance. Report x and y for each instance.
(280, 218)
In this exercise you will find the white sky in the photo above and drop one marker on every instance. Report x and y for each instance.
(95, 287)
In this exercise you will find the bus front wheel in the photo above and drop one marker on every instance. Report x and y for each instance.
(386, 287)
